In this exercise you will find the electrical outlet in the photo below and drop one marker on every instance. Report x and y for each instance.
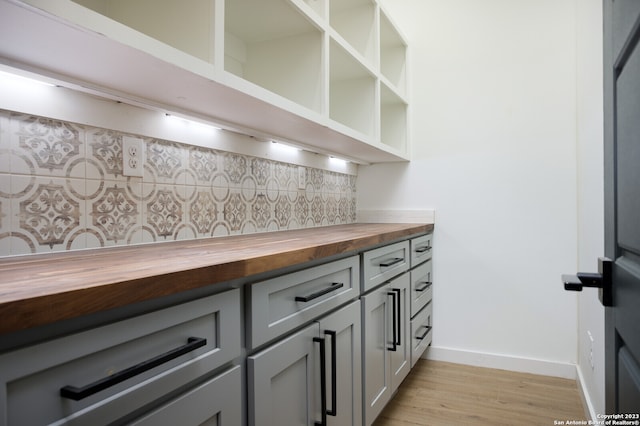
(132, 156)
(302, 174)
(591, 350)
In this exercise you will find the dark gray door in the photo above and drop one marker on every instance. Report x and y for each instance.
(622, 202)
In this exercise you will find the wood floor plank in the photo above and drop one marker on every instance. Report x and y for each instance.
(441, 394)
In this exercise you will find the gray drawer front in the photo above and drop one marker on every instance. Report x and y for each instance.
(39, 372)
(217, 402)
(384, 263)
(421, 287)
(274, 309)
(421, 249)
(421, 333)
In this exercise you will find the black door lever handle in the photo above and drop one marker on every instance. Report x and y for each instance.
(601, 280)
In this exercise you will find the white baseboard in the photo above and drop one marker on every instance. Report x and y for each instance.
(589, 409)
(502, 362)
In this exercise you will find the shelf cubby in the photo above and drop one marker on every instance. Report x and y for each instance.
(188, 27)
(393, 119)
(352, 92)
(393, 54)
(272, 45)
(354, 21)
(319, 6)
(330, 75)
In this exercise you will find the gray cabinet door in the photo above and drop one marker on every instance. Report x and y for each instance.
(217, 402)
(387, 348)
(400, 358)
(38, 372)
(344, 399)
(376, 313)
(282, 381)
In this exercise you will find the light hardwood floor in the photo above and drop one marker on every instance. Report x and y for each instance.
(440, 394)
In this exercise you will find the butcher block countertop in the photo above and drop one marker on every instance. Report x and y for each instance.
(37, 290)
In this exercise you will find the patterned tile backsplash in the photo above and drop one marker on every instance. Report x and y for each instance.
(62, 188)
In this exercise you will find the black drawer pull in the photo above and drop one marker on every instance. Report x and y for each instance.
(391, 262)
(332, 287)
(76, 393)
(428, 327)
(394, 341)
(426, 285)
(323, 383)
(422, 249)
(399, 313)
(334, 373)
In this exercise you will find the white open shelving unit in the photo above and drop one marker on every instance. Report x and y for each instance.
(326, 74)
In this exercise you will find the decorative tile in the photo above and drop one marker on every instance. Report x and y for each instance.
(166, 161)
(5, 143)
(316, 178)
(283, 211)
(53, 147)
(47, 212)
(301, 210)
(114, 214)
(203, 163)
(203, 213)
(62, 188)
(317, 210)
(5, 214)
(261, 171)
(249, 188)
(235, 212)
(284, 175)
(343, 210)
(105, 148)
(235, 167)
(331, 209)
(163, 212)
(261, 211)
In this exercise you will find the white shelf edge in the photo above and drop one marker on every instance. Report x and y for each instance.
(34, 54)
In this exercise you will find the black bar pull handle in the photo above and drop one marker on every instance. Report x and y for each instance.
(422, 249)
(391, 262)
(394, 343)
(78, 393)
(334, 373)
(426, 285)
(421, 337)
(602, 280)
(399, 313)
(323, 382)
(332, 287)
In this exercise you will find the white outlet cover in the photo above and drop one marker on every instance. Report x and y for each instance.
(132, 156)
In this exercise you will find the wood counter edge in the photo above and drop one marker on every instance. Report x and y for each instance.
(43, 309)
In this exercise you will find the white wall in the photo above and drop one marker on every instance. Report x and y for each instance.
(590, 196)
(494, 149)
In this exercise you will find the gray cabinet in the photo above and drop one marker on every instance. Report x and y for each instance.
(381, 264)
(116, 371)
(285, 383)
(421, 286)
(387, 350)
(421, 335)
(217, 402)
(421, 296)
(421, 249)
(316, 350)
(342, 329)
(289, 301)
